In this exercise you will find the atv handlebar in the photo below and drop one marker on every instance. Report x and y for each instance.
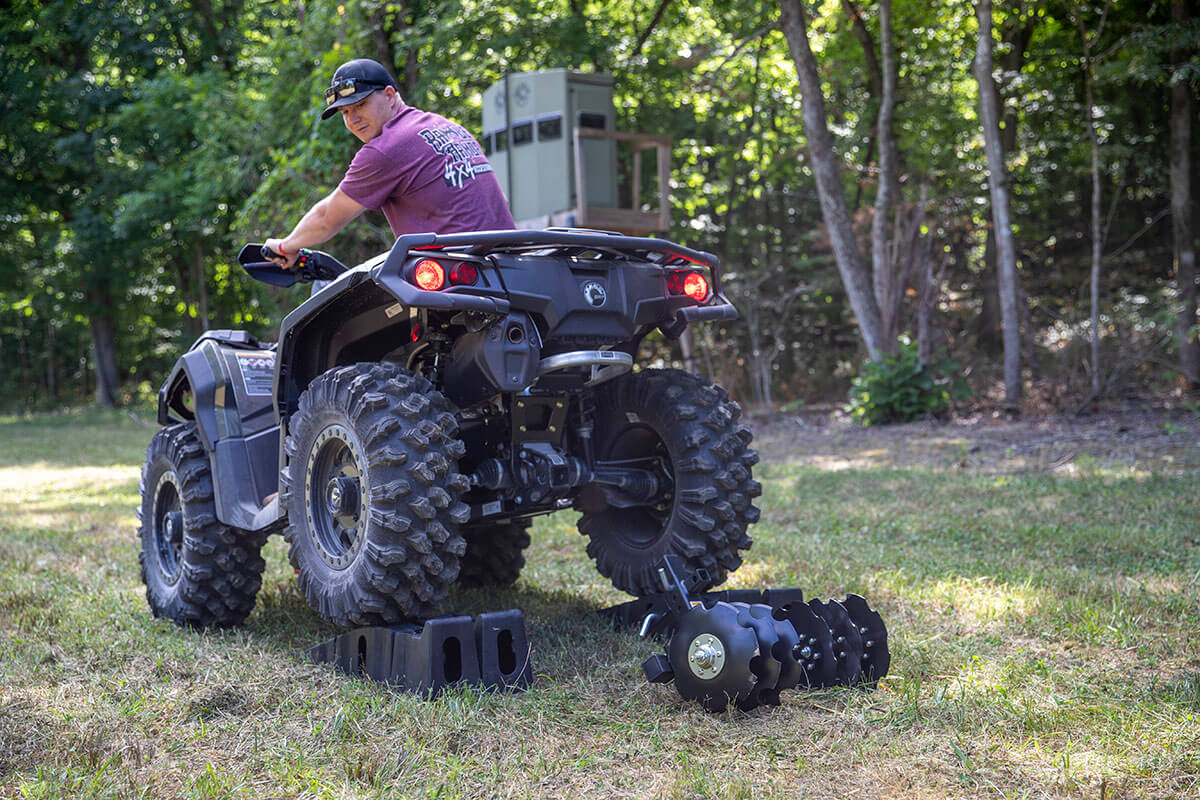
(311, 265)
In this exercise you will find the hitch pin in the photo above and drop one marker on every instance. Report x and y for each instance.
(648, 622)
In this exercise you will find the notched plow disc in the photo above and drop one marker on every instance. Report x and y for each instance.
(711, 654)
(876, 657)
(814, 651)
(765, 665)
(847, 642)
(791, 671)
(745, 648)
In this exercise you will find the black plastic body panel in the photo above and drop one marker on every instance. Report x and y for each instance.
(625, 296)
(245, 472)
(501, 357)
(584, 288)
(229, 379)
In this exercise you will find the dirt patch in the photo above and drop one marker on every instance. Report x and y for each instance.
(1151, 440)
(218, 701)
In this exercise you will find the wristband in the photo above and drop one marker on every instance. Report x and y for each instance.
(282, 252)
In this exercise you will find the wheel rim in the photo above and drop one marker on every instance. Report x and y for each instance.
(639, 446)
(334, 496)
(168, 527)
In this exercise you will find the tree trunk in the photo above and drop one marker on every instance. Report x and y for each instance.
(687, 350)
(906, 256)
(381, 36)
(658, 15)
(1097, 243)
(389, 22)
(998, 187)
(192, 326)
(875, 77)
(1016, 34)
(926, 301)
(755, 366)
(735, 161)
(22, 352)
(51, 364)
(887, 195)
(829, 183)
(202, 288)
(859, 26)
(104, 349)
(1181, 214)
(705, 347)
(1089, 93)
(987, 328)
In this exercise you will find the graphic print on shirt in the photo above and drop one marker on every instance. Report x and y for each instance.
(464, 157)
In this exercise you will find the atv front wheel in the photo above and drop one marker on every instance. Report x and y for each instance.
(495, 553)
(371, 490)
(685, 432)
(197, 571)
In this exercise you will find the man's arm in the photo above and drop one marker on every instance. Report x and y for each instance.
(320, 224)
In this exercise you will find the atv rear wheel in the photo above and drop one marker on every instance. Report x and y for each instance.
(495, 553)
(197, 571)
(371, 490)
(685, 431)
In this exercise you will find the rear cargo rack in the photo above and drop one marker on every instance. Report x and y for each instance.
(561, 243)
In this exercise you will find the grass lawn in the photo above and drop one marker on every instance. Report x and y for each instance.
(1042, 622)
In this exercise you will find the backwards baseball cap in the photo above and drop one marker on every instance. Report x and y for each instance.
(353, 81)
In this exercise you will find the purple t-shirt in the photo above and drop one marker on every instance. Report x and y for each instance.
(427, 174)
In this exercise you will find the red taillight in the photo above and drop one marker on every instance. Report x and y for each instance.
(695, 287)
(429, 275)
(692, 284)
(464, 274)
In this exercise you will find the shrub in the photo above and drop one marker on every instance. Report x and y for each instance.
(899, 389)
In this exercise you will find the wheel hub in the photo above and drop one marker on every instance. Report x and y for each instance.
(718, 651)
(341, 497)
(174, 527)
(168, 527)
(638, 482)
(334, 495)
(706, 656)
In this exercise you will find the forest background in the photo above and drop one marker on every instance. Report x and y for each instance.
(143, 142)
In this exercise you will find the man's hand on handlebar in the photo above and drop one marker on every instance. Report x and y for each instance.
(273, 250)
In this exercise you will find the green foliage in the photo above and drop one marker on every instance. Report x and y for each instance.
(901, 389)
(177, 131)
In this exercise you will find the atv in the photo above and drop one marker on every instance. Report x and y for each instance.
(419, 409)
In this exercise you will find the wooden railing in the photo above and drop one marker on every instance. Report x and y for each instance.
(631, 220)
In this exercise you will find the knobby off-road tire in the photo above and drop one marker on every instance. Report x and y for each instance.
(383, 442)
(197, 571)
(690, 428)
(495, 553)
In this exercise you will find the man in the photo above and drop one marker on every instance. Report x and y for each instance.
(424, 172)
